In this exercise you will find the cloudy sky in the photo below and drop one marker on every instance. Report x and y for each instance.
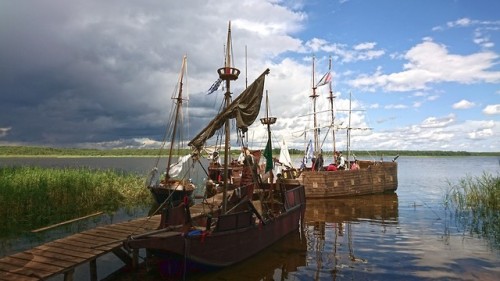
(423, 74)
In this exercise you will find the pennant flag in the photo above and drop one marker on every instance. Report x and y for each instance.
(325, 79)
(268, 153)
(309, 151)
(215, 86)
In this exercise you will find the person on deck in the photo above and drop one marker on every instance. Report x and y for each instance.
(318, 164)
(215, 158)
(355, 165)
(341, 165)
(249, 173)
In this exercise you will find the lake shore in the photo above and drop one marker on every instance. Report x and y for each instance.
(33, 151)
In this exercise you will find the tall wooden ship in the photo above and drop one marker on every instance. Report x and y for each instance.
(372, 177)
(368, 177)
(247, 220)
(175, 184)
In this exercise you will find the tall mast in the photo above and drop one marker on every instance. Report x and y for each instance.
(268, 121)
(349, 133)
(178, 112)
(227, 73)
(315, 128)
(246, 68)
(331, 98)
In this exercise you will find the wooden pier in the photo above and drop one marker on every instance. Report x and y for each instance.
(63, 255)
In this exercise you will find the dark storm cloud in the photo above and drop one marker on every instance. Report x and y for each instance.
(91, 72)
(78, 72)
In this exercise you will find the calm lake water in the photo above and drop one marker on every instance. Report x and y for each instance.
(408, 235)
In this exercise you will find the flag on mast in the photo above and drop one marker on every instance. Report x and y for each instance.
(268, 153)
(325, 79)
(309, 151)
(215, 86)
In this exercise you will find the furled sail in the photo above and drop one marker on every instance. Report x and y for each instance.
(245, 108)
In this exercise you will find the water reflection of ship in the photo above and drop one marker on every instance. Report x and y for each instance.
(329, 230)
(274, 263)
(382, 208)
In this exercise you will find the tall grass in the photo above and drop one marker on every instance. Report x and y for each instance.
(476, 201)
(32, 197)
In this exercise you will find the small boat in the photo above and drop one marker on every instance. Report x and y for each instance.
(349, 176)
(175, 185)
(256, 214)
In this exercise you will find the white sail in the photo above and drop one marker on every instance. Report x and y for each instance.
(285, 158)
(285, 161)
(182, 166)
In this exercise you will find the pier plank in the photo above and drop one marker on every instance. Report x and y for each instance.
(89, 237)
(55, 256)
(52, 247)
(9, 276)
(40, 267)
(22, 270)
(43, 259)
(77, 247)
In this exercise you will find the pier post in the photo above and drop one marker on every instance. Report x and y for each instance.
(68, 275)
(93, 270)
(135, 258)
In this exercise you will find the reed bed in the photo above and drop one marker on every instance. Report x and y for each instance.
(476, 201)
(32, 197)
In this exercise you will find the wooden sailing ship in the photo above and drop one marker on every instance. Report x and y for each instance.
(175, 185)
(370, 177)
(247, 220)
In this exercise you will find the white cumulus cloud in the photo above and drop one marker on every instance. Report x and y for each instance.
(492, 109)
(430, 62)
(463, 104)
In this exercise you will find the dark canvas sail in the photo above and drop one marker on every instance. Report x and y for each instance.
(245, 109)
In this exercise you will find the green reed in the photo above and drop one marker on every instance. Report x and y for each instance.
(476, 201)
(32, 197)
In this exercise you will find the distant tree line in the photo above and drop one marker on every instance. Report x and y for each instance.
(51, 151)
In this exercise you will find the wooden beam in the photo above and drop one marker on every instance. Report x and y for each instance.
(122, 255)
(65, 222)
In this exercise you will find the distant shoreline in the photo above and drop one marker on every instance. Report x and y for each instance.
(49, 152)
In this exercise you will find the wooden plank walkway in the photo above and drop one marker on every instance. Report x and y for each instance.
(63, 255)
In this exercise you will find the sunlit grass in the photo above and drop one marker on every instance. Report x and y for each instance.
(476, 201)
(32, 197)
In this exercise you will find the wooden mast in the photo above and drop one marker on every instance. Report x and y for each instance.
(331, 98)
(349, 133)
(268, 121)
(314, 96)
(178, 112)
(227, 73)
